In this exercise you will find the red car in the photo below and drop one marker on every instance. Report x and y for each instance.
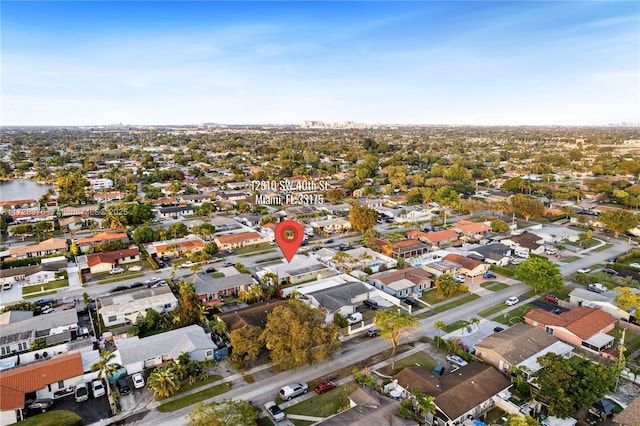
(551, 298)
(325, 387)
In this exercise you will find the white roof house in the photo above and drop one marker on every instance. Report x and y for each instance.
(128, 307)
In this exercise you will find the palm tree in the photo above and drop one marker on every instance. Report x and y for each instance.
(163, 382)
(475, 322)
(424, 404)
(439, 325)
(106, 367)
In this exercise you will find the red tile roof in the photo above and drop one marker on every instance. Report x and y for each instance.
(14, 384)
(238, 238)
(438, 236)
(103, 236)
(466, 262)
(582, 321)
(467, 227)
(111, 256)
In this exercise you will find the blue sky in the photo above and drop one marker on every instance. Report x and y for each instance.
(486, 63)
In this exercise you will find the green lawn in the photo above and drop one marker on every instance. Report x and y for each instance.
(458, 302)
(122, 277)
(326, 404)
(54, 418)
(488, 284)
(604, 247)
(48, 286)
(515, 316)
(432, 297)
(187, 387)
(497, 286)
(419, 358)
(454, 326)
(253, 248)
(631, 340)
(570, 259)
(492, 310)
(217, 275)
(34, 295)
(194, 398)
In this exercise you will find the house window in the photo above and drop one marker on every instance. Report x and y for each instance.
(22, 346)
(112, 318)
(132, 257)
(209, 353)
(61, 384)
(549, 330)
(167, 306)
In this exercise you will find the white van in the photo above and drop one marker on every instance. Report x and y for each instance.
(354, 317)
(522, 252)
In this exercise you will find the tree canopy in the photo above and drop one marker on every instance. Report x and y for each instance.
(362, 218)
(618, 221)
(445, 285)
(540, 273)
(394, 324)
(297, 334)
(527, 206)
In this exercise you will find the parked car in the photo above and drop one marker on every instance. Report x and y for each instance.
(411, 301)
(48, 310)
(489, 275)
(583, 270)
(498, 329)
(81, 392)
(291, 391)
(137, 284)
(228, 264)
(343, 247)
(42, 404)
(635, 265)
(119, 288)
(187, 264)
(7, 286)
(464, 346)
(138, 380)
(329, 241)
(373, 332)
(512, 301)
(275, 411)
(596, 288)
(136, 268)
(609, 271)
(123, 386)
(354, 317)
(551, 250)
(324, 387)
(455, 359)
(210, 270)
(116, 271)
(459, 278)
(556, 311)
(612, 259)
(97, 388)
(371, 304)
(551, 298)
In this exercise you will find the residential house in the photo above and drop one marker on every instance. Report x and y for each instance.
(525, 243)
(104, 262)
(105, 197)
(104, 237)
(242, 239)
(196, 199)
(358, 258)
(224, 224)
(44, 248)
(339, 294)
(212, 290)
(471, 230)
(581, 327)
(31, 216)
(17, 204)
(439, 267)
(330, 225)
(338, 209)
(403, 282)
(630, 416)
(437, 238)
(495, 254)
(604, 301)
(71, 223)
(33, 274)
(175, 212)
(137, 354)
(467, 394)
(269, 231)
(301, 269)
(175, 248)
(43, 378)
(254, 315)
(130, 307)
(516, 345)
(468, 266)
(297, 211)
(56, 327)
(100, 184)
(368, 408)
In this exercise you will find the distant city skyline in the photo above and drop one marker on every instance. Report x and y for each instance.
(465, 63)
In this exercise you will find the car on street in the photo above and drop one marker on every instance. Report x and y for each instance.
(119, 288)
(123, 386)
(97, 388)
(512, 301)
(373, 332)
(635, 265)
(210, 270)
(294, 389)
(48, 311)
(609, 271)
(81, 392)
(138, 380)
(187, 264)
(228, 264)
(489, 275)
(324, 387)
(583, 270)
(41, 404)
(275, 411)
(551, 298)
(329, 241)
(137, 284)
(116, 271)
(455, 359)
(612, 259)
(498, 329)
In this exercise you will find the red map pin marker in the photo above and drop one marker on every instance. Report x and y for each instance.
(289, 236)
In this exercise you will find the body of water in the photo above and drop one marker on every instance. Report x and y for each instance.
(21, 190)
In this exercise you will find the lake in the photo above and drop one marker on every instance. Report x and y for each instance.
(21, 190)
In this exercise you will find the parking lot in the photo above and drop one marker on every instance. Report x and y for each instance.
(91, 411)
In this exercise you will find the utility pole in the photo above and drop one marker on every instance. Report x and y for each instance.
(620, 363)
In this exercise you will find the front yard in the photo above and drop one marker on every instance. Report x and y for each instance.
(41, 288)
(326, 404)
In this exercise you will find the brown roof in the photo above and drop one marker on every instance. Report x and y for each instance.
(527, 239)
(238, 238)
(438, 236)
(582, 321)
(50, 244)
(467, 227)
(12, 203)
(186, 245)
(19, 381)
(103, 236)
(111, 256)
(465, 262)
(630, 416)
(458, 392)
(255, 315)
(413, 274)
(517, 343)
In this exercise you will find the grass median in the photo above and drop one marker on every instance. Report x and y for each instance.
(455, 303)
(194, 398)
